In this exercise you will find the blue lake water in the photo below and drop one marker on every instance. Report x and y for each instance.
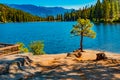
(57, 37)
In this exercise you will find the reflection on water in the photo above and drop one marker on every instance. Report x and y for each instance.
(108, 37)
(57, 38)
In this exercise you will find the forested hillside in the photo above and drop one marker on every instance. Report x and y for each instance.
(105, 11)
(102, 11)
(12, 15)
(108, 10)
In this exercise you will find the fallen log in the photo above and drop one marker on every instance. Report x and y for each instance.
(20, 62)
(74, 54)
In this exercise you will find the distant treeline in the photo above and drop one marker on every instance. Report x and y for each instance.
(105, 11)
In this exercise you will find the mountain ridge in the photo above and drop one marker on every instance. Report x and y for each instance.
(40, 10)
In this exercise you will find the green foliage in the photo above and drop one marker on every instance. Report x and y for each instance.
(22, 47)
(112, 11)
(8, 14)
(50, 18)
(59, 17)
(105, 11)
(98, 11)
(37, 47)
(102, 11)
(83, 29)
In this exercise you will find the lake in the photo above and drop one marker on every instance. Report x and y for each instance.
(57, 37)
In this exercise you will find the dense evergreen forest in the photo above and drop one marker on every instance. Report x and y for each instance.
(105, 11)
(12, 15)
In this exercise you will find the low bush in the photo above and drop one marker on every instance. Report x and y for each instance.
(22, 47)
(37, 47)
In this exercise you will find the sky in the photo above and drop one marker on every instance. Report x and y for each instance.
(76, 4)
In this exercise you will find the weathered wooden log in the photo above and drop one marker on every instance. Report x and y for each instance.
(70, 55)
(4, 68)
(24, 60)
(20, 62)
(78, 55)
(101, 56)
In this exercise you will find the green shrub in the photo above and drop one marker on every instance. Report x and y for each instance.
(22, 47)
(37, 47)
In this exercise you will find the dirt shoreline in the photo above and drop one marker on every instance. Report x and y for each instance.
(60, 67)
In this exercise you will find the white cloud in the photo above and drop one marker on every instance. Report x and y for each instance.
(73, 7)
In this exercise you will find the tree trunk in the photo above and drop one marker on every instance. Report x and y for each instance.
(81, 43)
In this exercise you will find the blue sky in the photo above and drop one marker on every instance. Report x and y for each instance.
(59, 3)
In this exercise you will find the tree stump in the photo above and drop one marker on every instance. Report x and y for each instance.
(101, 56)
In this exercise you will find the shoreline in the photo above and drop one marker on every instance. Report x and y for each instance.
(87, 55)
(60, 67)
(89, 51)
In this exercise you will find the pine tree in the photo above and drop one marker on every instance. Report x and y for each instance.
(106, 10)
(98, 11)
(112, 11)
(91, 16)
(116, 9)
(83, 29)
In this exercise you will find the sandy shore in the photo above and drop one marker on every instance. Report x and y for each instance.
(60, 67)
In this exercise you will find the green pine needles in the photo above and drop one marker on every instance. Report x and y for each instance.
(83, 29)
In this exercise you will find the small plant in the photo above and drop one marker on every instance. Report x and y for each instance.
(37, 47)
(22, 47)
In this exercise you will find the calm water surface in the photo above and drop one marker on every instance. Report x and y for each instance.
(57, 38)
